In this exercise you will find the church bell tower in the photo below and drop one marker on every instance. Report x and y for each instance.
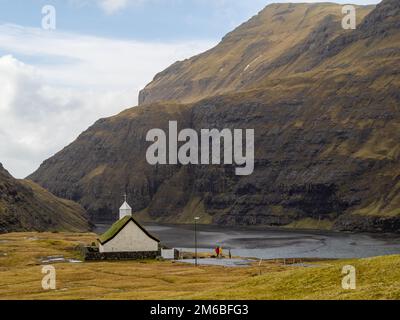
(125, 209)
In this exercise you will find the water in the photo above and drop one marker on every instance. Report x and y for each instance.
(270, 243)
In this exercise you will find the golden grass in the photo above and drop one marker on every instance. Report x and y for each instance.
(95, 172)
(377, 278)
(20, 276)
(194, 208)
(309, 223)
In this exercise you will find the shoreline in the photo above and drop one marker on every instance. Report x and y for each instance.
(272, 243)
(257, 228)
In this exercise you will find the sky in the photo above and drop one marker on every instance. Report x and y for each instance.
(55, 83)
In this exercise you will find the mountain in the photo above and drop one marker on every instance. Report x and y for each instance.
(324, 104)
(276, 43)
(25, 206)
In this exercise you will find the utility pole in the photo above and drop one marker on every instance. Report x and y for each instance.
(195, 239)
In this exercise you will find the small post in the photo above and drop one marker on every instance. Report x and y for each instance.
(195, 239)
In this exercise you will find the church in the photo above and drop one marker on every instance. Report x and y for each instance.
(128, 236)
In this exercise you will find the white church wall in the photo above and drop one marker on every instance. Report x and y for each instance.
(130, 239)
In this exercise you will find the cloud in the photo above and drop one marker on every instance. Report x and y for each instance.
(109, 6)
(38, 118)
(112, 6)
(67, 82)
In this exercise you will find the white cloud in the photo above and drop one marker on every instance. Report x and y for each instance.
(112, 6)
(66, 83)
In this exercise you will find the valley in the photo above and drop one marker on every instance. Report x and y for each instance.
(323, 103)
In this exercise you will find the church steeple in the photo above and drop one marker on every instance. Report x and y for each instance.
(125, 209)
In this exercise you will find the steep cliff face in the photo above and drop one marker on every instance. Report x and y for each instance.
(326, 116)
(25, 206)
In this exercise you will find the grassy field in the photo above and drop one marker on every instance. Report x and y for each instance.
(20, 276)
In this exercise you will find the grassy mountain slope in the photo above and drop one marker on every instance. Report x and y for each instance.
(26, 206)
(273, 44)
(326, 117)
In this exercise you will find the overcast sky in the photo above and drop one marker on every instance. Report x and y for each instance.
(54, 84)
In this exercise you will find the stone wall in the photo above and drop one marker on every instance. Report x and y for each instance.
(93, 254)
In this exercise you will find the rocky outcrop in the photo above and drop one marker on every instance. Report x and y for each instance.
(359, 223)
(381, 23)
